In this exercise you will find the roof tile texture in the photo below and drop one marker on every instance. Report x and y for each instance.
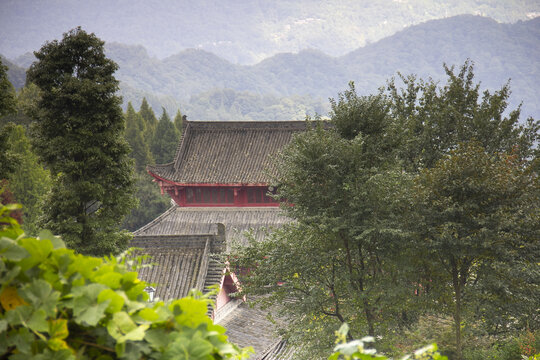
(228, 152)
(174, 272)
(188, 221)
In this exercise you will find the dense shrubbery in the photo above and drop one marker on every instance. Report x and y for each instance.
(56, 304)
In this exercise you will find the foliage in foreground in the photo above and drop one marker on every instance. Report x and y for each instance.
(357, 349)
(56, 304)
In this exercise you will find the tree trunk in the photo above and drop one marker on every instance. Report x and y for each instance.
(457, 311)
(369, 318)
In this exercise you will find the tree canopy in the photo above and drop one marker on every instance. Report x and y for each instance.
(29, 181)
(135, 129)
(7, 106)
(422, 198)
(78, 135)
(165, 140)
(7, 92)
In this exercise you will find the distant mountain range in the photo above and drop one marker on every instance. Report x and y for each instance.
(206, 86)
(240, 31)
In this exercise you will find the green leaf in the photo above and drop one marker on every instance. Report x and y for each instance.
(111, 279)
(120, 324)
(18, 315)
(158, 338)
(148, 314)
(87, 311)
(135, 334)
(22, 339)
(116, 301)
(191, 312)
(85, 265)
(11, 250)
(184, 348)
(58, 328)
(40, 294)
(39, 251)
(56, 241)
(38, 321)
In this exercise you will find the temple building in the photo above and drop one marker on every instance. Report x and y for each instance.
(220, 184)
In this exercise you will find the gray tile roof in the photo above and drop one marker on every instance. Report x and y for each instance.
(249, 326)
(180, 262)
(228, 152)
(202, 220)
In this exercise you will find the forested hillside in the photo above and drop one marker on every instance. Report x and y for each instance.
(286, 86)
(500, 52)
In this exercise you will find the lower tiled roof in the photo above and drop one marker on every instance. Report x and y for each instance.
(174, 273)
(181, 242)
(202, 220)
(249, 326)
(180, 262)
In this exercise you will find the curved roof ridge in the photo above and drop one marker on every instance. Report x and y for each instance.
(155, 221)
(228, 152)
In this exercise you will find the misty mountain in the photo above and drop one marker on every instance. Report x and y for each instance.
(500, 52)
(241, 31)
(206, 86)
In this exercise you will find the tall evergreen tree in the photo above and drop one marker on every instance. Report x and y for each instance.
(179, 121)
(140, 151)
(78, 134)
(8, 159)
(27, 99)
(7, 106)
(7, 92)
(29, 182)
(151, 203)
(165, 140)
(150, 121)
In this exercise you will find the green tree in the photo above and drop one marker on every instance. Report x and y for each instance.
(357, 250)
(151, 203)
(78, 134)
(477, 225)
(7, 93)
(7, 106)
(9, 160)
(165, 140)
(433, 119)
(334, 263)
(27, 99)
(140, 152)
(179, 121)
(150, 120)
(29, 182)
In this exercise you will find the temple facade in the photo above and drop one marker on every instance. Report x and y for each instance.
(220, 182)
